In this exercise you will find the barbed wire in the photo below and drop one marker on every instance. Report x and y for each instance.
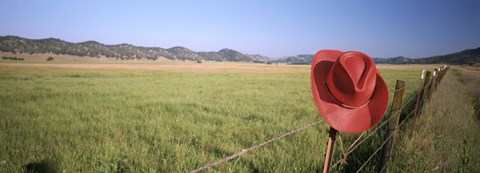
(245, 150)
(383, 168)
(379, 148)
(371, 134)
(374, 153)
(405, 119)
(440, 74)
(425, 87)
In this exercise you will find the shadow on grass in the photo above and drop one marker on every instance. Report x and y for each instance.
(44, 166)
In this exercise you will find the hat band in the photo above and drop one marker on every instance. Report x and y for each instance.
(343, 104)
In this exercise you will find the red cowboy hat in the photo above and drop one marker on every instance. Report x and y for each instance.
(349, 92)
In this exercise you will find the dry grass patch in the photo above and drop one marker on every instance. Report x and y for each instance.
(186, 67)
(407, 66)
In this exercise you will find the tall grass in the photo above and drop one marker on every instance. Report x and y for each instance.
(446, 135)
(147, 121)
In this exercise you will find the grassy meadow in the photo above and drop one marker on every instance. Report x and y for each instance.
(73, 118)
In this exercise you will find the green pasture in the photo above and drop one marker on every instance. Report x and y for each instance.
(151, 121)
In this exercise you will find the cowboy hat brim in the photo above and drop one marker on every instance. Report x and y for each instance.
(348, 120)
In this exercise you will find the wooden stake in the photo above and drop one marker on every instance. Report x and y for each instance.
(330, 146)
(420, 99)
(392, 125)
(433, 83)
(426, 90)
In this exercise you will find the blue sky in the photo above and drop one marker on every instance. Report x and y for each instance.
(273, 28)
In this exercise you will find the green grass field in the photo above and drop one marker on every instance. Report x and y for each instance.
(111, 120)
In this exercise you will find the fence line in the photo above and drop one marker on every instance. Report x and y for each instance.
(425, 89)
(430, 85)
(379, 148)
(404, 120)
(243, 151)
(369, 135)
(374, 153)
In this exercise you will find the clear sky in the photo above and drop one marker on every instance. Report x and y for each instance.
(416, 28)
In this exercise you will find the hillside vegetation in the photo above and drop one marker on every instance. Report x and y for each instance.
(465, 57)
(120, 51)
(125, 51)
(469, 56)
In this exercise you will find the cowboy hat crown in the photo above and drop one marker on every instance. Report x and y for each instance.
(352, 78)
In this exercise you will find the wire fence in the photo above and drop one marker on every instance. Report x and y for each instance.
(428, 84)
(379, 148)
(424, 94)
(245, 150)
(368, 136)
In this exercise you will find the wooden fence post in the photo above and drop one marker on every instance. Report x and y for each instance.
(444, 71)
(439, 73)
(394, 118)
(332, 133)
(417, 102)
(426, 91)
(433, 83)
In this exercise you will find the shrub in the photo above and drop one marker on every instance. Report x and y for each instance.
(13, 58)
(50, 58)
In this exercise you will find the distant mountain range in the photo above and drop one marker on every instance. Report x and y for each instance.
(469, 56)
(119, 51)
(299, 59)
(127, 51)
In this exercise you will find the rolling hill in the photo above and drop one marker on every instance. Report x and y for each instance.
(469, 56)
(299, 59)
(127, 51)
(120, 51)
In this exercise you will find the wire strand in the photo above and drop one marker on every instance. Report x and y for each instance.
(376, 129)
(350, 149)
(245, 150)
(427, 86)
(371, 134)
(384, 166)
(404, 120)
(390, 135)
(374, 153)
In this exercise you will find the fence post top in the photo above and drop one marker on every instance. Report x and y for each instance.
(423, 74)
